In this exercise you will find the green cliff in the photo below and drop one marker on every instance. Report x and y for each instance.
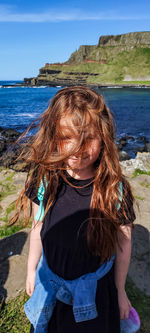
(118, 59)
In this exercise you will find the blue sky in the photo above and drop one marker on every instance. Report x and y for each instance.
(35, 32)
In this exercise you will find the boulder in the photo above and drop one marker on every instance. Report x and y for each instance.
(142, 162)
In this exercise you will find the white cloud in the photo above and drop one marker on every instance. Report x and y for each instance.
(10, 14)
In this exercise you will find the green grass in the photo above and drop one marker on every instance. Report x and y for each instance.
(8, 187)
(141, 304)
(144, 184)
(138, 172)
(138, 197)
(8, 190)
(13, 318)
(8, 210)
(10, 177)
(6, 231)
(136, 82)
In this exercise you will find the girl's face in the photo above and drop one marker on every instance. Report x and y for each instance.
(82, 160)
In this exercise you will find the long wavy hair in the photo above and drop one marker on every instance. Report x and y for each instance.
(46, 162)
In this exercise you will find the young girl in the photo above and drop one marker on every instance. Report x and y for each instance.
(88, 213)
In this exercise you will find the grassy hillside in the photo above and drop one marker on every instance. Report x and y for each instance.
(134, 63)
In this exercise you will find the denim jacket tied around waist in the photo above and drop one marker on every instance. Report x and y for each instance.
(49, 287)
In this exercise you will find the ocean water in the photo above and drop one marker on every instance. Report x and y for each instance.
(19, 106)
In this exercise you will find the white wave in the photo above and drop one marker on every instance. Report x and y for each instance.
(12, 87)
(42, 87)
(9, 87)
(30, 115)
(145, 87)
(35, 87)
(114, 87)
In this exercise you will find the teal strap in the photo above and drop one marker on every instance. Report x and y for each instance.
(40, 213)
(120, 194)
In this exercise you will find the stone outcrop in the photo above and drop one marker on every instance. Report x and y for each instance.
(132, 39)
(13, 261)
(81, 54)
(9, 150)
(142, 162)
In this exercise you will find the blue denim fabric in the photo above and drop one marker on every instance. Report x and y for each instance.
(80, 293)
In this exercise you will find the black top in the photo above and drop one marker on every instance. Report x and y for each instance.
(63, 233)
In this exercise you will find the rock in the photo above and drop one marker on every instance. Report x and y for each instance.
(19, 167)
(139, 270)
(5, 173)
(140, 149)
(8, 158)
(129, 39)
(19, 178)
(123, 142)
(147, 147)
(9, 133)
(7, 201)
(142, 161)
(141, 138)
(119, 146)
(141, 190)
(145, 157)
(2, 223)
(81, 54)
(2, 146)
(13, 263)
(9, 150)
(129, 137)
(123, 156)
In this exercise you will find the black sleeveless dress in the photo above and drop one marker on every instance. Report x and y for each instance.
(63, 236)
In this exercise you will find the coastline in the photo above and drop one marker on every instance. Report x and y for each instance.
(73, 83)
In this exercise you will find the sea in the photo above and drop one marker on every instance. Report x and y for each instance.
(20, 106)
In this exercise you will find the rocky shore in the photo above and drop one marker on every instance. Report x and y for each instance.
(63, 83)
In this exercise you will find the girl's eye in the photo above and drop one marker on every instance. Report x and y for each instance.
(91, 137)
(66, 139)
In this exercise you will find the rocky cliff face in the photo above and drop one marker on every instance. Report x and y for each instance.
(130, 39)
(81, 54)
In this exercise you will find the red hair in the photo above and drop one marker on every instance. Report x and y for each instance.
(85, 108)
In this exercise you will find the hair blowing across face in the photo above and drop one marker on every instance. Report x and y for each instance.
(86, 109)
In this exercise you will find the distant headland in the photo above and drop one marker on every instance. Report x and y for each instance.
(120, 60)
